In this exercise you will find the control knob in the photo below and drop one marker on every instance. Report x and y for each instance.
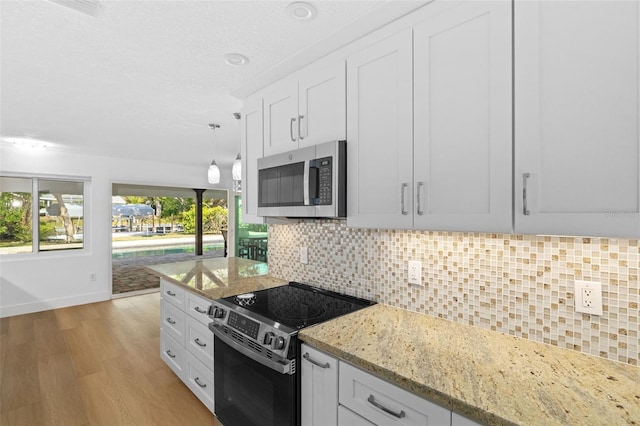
(268, 338)
(218, 312)
(278, 343)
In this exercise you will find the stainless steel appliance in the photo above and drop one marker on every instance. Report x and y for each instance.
(307, 182)
(257, 350)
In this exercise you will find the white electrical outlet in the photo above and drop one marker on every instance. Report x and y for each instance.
(588, 295)
(415, 272)
(304, 255)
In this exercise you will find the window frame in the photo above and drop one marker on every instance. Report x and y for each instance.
(35, 217)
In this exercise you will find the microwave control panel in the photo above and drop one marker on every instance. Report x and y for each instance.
(325, 181)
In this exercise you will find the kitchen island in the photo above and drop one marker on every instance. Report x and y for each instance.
(489, 377)
(218, 277)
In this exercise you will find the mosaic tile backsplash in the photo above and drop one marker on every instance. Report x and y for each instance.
(520, 285)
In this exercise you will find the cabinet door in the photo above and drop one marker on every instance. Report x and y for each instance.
(379, 134)
(319, 388)
(322, 104)
(462, 117)
(252, 149)
(281, 116)
(576, 118)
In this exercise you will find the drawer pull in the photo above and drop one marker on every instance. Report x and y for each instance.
(199, 383)
(170, 354)
(170, 321)
(314, 362)
(170, 293)
(198, 310)
(373, 402)
(199, 343)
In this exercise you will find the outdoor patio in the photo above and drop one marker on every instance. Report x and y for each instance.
(129, 274)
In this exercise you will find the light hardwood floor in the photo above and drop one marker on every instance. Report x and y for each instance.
(95, 364)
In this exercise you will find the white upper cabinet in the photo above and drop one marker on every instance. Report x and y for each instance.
(577, 155)
(306, 108)
(251, 148)
(379, 134)
(429, 123)
(462, 151)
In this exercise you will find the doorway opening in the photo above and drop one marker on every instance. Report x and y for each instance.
(151, 225)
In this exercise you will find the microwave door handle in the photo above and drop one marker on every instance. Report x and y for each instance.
(307, 167)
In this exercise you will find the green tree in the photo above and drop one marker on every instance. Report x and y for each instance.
(15, 217)
(213, 219)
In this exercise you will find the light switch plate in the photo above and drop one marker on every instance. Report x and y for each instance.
(304, 255)
(588, 297)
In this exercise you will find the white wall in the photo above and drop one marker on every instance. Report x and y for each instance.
(44, 281)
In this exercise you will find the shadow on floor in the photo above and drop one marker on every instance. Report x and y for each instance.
(129, 274)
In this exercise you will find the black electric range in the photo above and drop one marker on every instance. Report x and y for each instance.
(257, 350)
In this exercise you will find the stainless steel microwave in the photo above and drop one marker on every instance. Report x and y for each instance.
(307, 182)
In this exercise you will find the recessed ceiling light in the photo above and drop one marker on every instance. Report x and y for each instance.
(302, 11)
(236, 59)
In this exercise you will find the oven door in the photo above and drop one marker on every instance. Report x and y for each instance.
(248, 393)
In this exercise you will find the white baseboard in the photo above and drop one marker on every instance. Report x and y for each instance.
(45, 305)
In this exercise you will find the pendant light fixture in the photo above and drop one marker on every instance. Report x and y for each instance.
(236, 174)
(214, 172)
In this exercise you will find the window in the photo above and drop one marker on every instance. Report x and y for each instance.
(57, 213)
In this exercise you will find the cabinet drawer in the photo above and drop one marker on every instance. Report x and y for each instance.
(172, 293)
(173, 354)
(347, 417)
(383, 403)
(199, 378)
(172, 321)
(199, 341)
(197, 307)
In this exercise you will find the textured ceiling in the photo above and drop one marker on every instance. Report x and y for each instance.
(144, 78)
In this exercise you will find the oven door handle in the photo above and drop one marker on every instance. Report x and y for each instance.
(282, 365)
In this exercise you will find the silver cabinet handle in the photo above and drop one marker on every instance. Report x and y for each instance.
(420, 185)
(300, 117)
(293, 139)
(525, 210)
(314, 362)
(198, 310)
(402, 190)
(199, 383)
(199, 343)
(373, 402)
(170, 321)
(170, 293)
(170, 354)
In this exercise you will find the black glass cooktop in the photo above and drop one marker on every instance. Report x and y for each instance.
(298, 305)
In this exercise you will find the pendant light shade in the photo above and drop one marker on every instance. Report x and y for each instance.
(214, 172)
(213, 175)
(236, 171)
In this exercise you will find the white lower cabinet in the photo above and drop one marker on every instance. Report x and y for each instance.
(199, 378)
(382, 403)
(319, 388)
(173, 354)
(186, 343)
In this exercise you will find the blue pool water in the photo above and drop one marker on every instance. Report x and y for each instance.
(141, 252)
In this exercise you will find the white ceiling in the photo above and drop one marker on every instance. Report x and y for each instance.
(145, 78)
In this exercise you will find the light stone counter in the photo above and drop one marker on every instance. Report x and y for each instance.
(487, 376)
(218, 277)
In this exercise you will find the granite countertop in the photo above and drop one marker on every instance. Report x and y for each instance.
(487, 376)
(218, 277)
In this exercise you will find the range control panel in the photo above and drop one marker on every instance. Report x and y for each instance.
(268, 337)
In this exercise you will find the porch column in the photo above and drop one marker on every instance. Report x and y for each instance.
(199, 193)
